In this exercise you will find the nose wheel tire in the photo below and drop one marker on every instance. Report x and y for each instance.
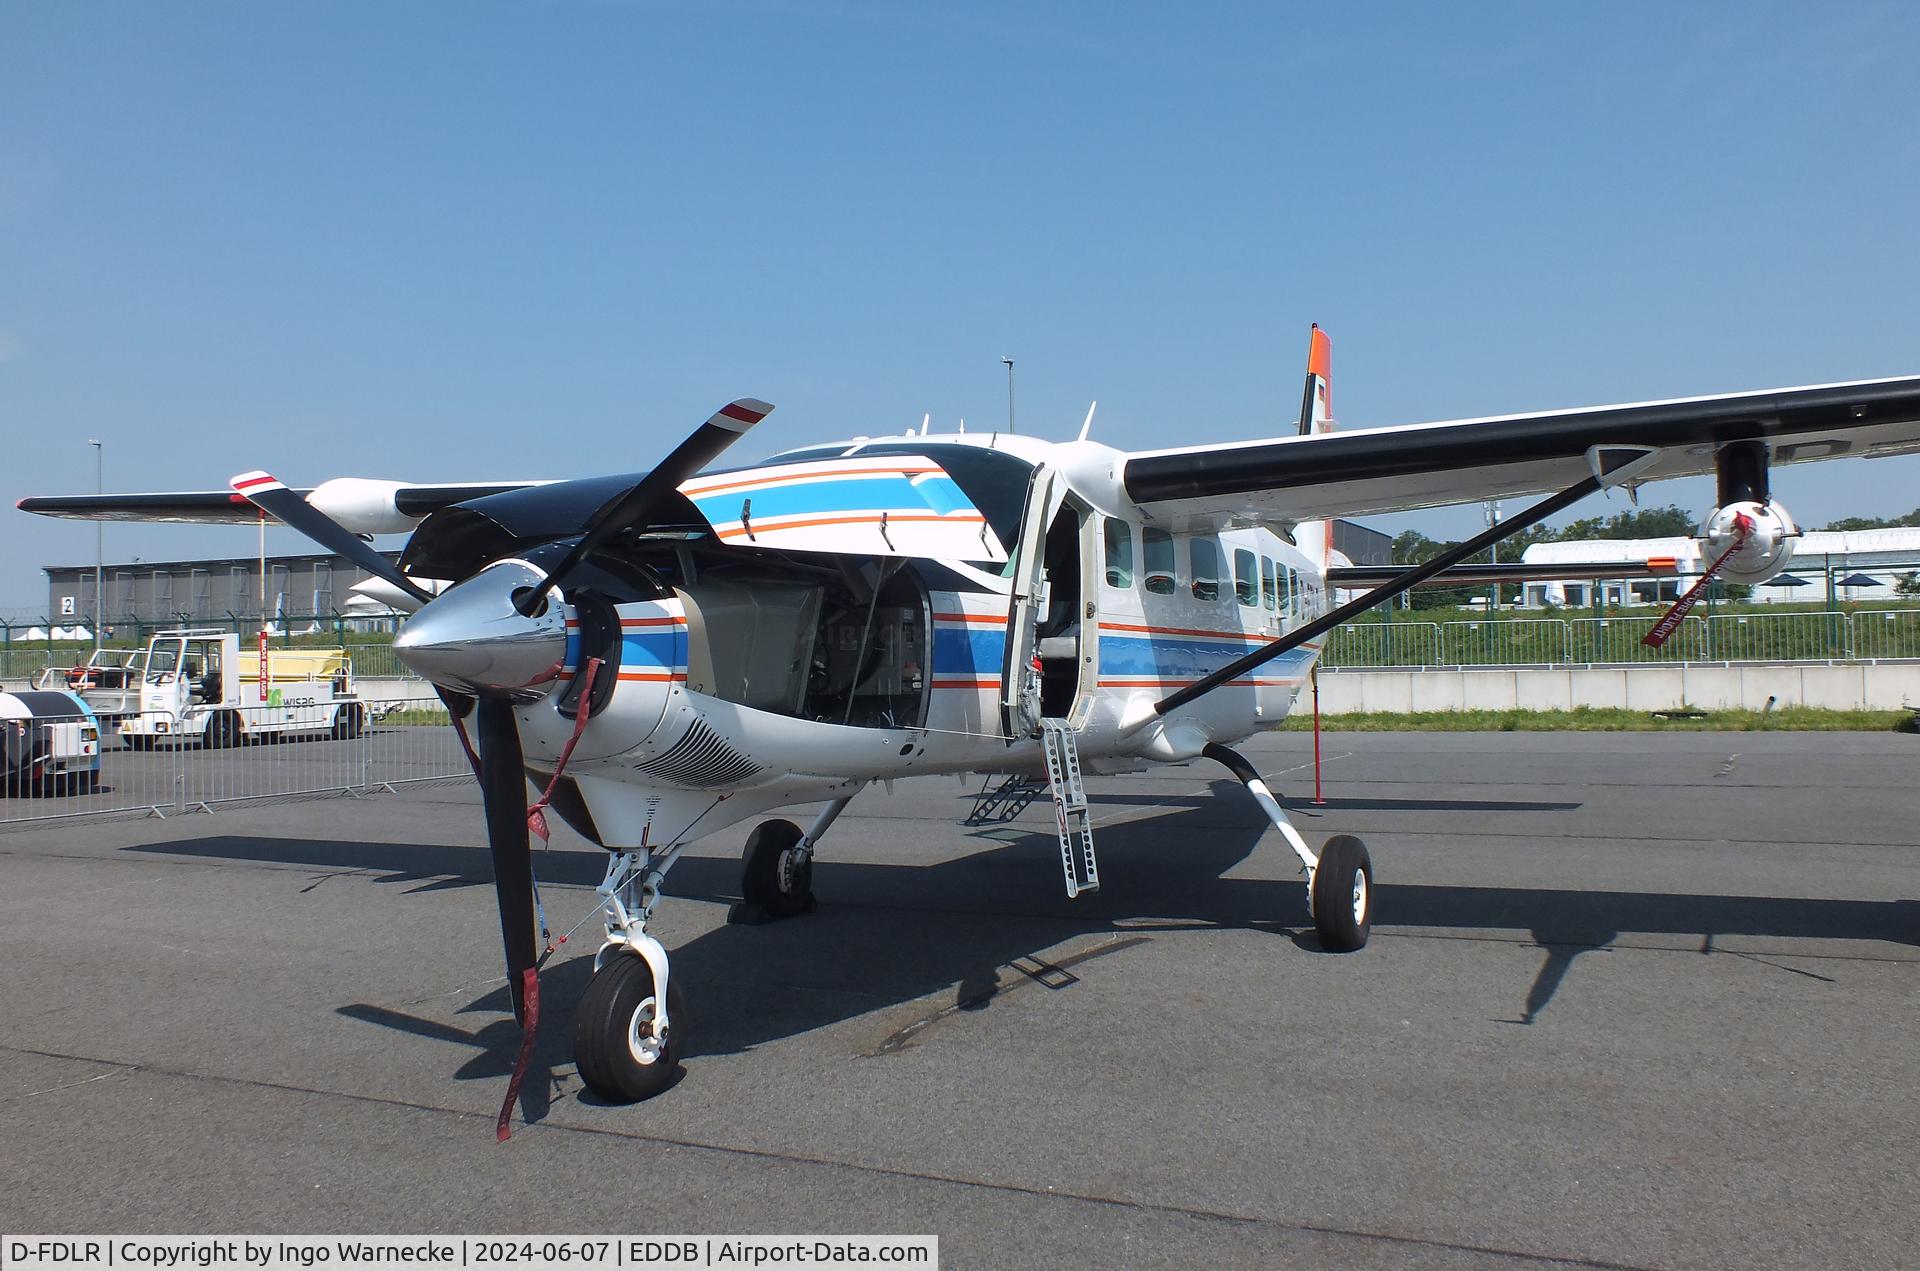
(1343, 894)
(777, 878)
(620, 1053)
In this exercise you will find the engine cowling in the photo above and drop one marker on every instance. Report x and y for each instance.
(1766, 549)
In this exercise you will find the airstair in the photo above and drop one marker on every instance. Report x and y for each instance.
(1058, 742)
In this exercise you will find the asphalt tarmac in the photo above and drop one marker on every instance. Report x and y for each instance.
(1631, 1000)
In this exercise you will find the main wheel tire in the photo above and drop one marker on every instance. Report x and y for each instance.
(618, 1058)
(1343, 894)
(348, 722)
(777, 874)
(223, 730)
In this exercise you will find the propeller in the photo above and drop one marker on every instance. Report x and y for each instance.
(490, 639)
(503, 793)
(272, 497)
(705, 443)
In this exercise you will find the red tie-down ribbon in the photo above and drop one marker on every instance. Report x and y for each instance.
(1670, 622)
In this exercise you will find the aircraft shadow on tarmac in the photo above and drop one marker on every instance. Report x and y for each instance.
(891, 934)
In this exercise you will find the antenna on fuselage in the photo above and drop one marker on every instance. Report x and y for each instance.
(925, 421)
(1086, 425)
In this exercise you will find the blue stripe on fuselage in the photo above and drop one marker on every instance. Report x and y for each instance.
(935, 492)
(968, 652)
(642, 647)
(1180, 658)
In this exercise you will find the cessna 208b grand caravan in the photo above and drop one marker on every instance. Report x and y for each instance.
(667, 654)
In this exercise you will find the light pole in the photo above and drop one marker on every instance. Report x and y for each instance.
(1009, 362)
(1493, 555)
(99, 543)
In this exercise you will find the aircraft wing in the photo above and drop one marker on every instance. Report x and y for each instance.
(366, 506)
(1375, 470)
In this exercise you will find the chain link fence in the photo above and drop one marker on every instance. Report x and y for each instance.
(157, 764)
(1825, 636)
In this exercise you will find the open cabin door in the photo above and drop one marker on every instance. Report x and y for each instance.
(1026, 607)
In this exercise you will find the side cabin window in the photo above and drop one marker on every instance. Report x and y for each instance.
(1245, 576)
(1289, 589)
(1269, 589)
(1204, 556)
(1119, 553)
(1246, 584)
(1156, 558)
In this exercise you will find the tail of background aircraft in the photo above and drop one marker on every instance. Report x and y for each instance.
(1316, 415)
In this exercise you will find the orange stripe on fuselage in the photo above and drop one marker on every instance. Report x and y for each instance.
(974, 619)
(774, 527)
(670, 621)
(644, 677)
(1149, 682)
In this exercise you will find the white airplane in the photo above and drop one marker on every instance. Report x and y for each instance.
(667, 654)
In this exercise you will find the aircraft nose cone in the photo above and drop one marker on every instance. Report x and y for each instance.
(471, 638)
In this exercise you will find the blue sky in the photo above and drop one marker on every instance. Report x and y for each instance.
(438, 241)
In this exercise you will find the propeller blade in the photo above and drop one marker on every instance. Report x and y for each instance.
(503, 790)
(273, 497)
(701, 447)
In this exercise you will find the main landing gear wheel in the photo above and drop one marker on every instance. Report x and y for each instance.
(777, 881)
(620, 1055)
(348, 722)
(1343, 894)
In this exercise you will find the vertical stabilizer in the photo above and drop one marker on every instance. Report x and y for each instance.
(1316, 416)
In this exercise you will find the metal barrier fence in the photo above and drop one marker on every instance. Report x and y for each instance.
(160, 765)
(1825, 636)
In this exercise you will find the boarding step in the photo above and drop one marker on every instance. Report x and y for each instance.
(1000, 804)
(1062, 748)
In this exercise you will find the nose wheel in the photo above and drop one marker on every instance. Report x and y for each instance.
(623, 1054)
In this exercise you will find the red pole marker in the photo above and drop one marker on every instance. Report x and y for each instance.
(1316, 737)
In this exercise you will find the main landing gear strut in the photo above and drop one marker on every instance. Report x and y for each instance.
(631, 1024)
(1339, 879)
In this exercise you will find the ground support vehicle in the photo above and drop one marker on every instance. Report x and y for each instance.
(199, 686)
(49, 743)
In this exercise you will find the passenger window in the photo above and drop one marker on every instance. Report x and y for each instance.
(1204, 556)
(1289, 589)
(1156, 557)
(1270, 590)
(1246, 585)
(1119, 553)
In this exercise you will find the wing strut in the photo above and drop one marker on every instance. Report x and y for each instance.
(1606, 474)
